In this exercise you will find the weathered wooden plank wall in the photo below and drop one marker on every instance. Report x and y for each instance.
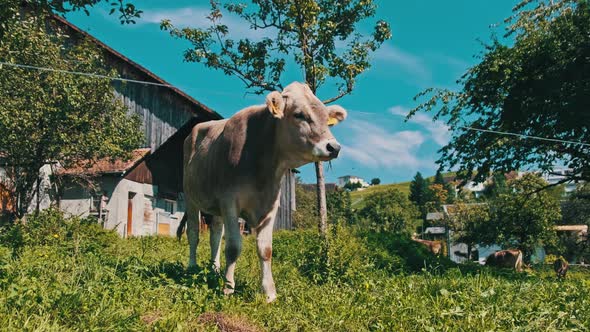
(284, 218)
(161, 113)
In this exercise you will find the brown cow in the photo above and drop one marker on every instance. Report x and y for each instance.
(233, 168)
(434, 247)
(511, 258)
(560, 266)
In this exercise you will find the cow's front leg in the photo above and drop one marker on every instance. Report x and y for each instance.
(233, 247)
(264, 245)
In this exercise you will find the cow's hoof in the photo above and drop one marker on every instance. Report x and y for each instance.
(228, 291)
(270, 298)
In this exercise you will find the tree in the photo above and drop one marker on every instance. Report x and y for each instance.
(497, 186)
(352, 186)
(419, 193)
(576, 211)
(438, 195)
(305, 31)
(9, 9)
(305, 215)
(468, 223)
(54, 117)
(438, 178)
(448, 187)
(525, 217)
(529, 83)
(375, 181)
(340, 210)
(389, 211)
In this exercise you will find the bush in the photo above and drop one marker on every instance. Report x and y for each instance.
(52, 228)
(342, 256)
(389, 211)
(396, 253)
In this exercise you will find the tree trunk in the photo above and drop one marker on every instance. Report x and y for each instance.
(321, 198)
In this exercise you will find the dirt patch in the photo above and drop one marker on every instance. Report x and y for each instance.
(150, 317)
(227, 323)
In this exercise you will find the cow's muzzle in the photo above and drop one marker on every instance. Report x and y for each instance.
(326, 150)
(333, 148)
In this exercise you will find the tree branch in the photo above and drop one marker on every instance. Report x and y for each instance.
(340, 95)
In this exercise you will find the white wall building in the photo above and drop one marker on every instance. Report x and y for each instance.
(343, 180)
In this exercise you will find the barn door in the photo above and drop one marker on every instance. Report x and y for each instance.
(130, 214)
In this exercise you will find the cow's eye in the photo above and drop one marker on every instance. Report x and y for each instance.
(299, 115)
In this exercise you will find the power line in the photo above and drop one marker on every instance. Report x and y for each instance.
(524, 136)
(513, 134)
(83, 74)
(367, 113)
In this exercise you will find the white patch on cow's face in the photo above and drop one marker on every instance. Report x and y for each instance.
(304, 131)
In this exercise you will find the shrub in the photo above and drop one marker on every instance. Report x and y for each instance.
(396, 253)
(389, 211)
(52, 228)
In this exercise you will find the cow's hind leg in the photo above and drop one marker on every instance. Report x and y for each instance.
(264, 246)
(215, 235)
(233, 247)
(192, 233)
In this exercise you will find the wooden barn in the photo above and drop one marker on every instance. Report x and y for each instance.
(143, 195)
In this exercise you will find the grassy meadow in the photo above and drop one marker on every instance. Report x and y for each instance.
(357, 197)
(72, 276)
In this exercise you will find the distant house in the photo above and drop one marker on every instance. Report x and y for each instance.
(476, 188)
(556, 175)
(343, 180)
(142, 195)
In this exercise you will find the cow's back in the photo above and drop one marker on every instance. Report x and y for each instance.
(203, 163)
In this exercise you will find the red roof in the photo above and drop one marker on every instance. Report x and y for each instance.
(105, 165)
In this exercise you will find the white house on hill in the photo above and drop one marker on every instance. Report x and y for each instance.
(343, 180)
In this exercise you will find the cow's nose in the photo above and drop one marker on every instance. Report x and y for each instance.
(333, 148)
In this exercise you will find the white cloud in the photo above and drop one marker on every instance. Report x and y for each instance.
(196, 17)
(410, 63)
(437, 129)
(375, 147)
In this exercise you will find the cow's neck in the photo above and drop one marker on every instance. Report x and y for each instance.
(270, 162)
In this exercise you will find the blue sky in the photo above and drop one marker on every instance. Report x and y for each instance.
(433, 43)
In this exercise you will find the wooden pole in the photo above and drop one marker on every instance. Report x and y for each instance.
(321, 198)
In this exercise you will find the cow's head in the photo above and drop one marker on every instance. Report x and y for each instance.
(304, 124)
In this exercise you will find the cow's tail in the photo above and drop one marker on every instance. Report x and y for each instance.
(181, 226)
(518, 265)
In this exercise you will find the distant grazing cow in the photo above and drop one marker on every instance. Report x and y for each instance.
(233, 168)
(560, 266)
(506, 258)
(434, 247)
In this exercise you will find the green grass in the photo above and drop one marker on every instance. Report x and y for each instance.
(84, 282)
(358, 196)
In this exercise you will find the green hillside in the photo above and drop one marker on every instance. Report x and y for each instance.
(358, 196)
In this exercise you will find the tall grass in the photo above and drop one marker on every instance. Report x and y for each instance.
(88, 279)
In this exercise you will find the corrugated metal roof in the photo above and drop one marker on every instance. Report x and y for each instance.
(434, 230)
(434, 216)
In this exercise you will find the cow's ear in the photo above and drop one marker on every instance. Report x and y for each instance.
(336, 114)
(275, 104)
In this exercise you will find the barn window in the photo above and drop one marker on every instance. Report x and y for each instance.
(169, 206)
(98, 204)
